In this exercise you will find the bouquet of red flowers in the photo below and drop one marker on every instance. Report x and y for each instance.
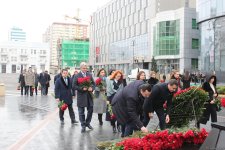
(84, 82)
(100, 84)
(63, 106)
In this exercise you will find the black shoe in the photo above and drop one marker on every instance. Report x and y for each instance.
(83, 130)
(198, 125)
(100, 123)
(74, 122)
(114, 129)
(62, 122)
(90, 127)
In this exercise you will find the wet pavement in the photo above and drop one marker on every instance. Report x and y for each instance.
(32, 123)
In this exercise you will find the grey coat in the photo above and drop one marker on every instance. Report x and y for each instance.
(100, 104)
(29, 79)
(84, 98)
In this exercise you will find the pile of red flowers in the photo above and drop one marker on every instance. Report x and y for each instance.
(63, 106)
(163, 140)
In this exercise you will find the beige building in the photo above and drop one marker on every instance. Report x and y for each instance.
(62, 31)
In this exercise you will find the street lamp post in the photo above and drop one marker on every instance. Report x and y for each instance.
(214, 45)
(133, 44)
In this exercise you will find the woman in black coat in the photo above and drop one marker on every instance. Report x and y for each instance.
(186, 79)
(152, 80)
(22, 83)
(211, 108)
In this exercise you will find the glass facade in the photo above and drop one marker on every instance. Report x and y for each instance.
(167, 38)
(210, 8)
(213, 44)
(211, 16)
(126, 50)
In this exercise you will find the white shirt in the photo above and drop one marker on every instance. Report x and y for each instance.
(212, 87)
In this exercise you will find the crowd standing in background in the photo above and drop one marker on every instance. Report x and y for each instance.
(30, 81)
(133, 104)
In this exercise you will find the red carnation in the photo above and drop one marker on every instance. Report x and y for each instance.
(223, 102)
(98, 81)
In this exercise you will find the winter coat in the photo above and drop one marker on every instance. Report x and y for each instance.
(43, 79)
(84, 98)
(127, 104)
(152, 81)
(22, 80)
(63, 91)
(159, 95)
(29, 79)
(100, 104)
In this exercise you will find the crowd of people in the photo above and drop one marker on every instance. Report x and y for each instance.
(131, 105)
(30, 81)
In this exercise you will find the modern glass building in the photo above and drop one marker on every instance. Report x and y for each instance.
(174, 42)
(73, 53)
(17, 34)
(211, 20)
(122, 34)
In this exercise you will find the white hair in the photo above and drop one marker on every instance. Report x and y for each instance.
(83, 64)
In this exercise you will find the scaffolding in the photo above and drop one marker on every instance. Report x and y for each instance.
(74, 52)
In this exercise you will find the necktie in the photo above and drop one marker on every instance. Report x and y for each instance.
(84, 74)
(65, 79)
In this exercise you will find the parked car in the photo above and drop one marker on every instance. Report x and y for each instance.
(135, 71)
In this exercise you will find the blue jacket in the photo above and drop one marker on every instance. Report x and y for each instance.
(64, 92)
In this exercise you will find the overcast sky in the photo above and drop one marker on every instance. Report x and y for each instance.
(34, 16)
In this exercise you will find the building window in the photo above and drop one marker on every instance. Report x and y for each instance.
(194, 64)
(195, 43)
(166, 38)
(194, 24)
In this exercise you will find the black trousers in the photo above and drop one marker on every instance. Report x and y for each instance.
(27, 89)
(23, 88)
(46, 92)
(71, 113)
(87, 121)
(36, 89)
(209, 111)
(161, 115)
(100, 117)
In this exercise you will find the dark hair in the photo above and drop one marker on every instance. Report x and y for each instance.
(111, 71)
(139, 74)
(214, 82)
(64, 70)
(145, 87)
(173, 82)
(100, 71)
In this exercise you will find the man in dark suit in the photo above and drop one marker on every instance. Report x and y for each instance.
(48, 81)
(43, 78)
(161, 93)
(127, 106)
(63, 91)
(84, 97)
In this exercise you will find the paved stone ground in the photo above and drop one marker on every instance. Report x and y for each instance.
(32, 123)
